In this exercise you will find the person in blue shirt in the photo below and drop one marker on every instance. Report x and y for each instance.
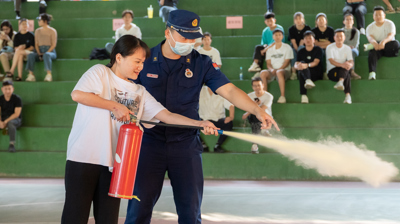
(266, 42)
(174, 74)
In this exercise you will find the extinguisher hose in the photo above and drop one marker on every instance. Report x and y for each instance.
(177, 126)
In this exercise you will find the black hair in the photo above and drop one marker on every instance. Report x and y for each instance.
(8, 83)
(46, 17)
(207, 34)
(22, 20)
(378, 7)
(269, 15)
(353, 29)
(127, 11)
(308, 33)
(126, 46)
(340, 30)
(256, 79)
(7, 24)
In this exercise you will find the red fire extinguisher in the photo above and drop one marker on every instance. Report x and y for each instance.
(126, 162)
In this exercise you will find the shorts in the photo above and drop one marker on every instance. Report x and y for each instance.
(286, 75)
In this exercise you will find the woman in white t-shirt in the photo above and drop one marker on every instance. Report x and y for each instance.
(211, 52)
(106, 98)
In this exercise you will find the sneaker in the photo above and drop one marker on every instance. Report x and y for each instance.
(309, 84)
(354, 75)
(304, 99)
(339, 85)
(48, 78)
(293, 76)
(205, 147)
(18, 79)
(325, 76)
(282, 99)
(254, 149)
(31, 78)
(257, 74)
(390, 11)
(362, 31)
(17, 17)
(42, 4)
(372, 76)
(8, 78)
(347, 99)
(11, 148)
(1, 77)
(218, 149)
(398, 9)
(254, 67)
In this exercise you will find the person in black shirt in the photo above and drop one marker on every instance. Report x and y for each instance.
(309, 65)
(296, 33)
(323, 33)
(10, 107)
(24, 42)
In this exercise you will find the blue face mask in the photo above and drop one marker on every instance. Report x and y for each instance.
(182, 49)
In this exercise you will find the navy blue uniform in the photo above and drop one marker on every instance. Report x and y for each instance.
(176, 85)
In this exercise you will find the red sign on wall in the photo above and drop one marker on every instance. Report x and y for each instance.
(117, 23)
(234, 22)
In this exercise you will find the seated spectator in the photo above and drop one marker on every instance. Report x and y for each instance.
(7, 35)
(323, 33)
(166, 6)
(264, 100)
(17, 8)
(10, 107)
(296, 34)
(359, 9)
(380, 34)
(210, 51)
(352, 40)
(199, 41)
(45, 48)
(308, 65)
(266, 41)
(278, 63)
(24, 42)
(391, 10)
(339, 61)
(212, 108)
(128, 28)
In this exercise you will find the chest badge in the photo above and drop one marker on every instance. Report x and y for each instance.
(188, 73)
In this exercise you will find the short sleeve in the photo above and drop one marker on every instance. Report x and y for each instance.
(268, 54)
(319, 53)
(369, 31)
(329, 53)
(138, 33)
(291, 34)
(213, 78)
(91, 80)
(217, 57)
(18, 101)
(117, 34)
(300, 55)
(392, 27)
(227, 104)
(331, 33)
(151, 107)
(349, 54)
(289, 52)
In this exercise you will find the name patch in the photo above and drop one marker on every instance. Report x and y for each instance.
(154, 76)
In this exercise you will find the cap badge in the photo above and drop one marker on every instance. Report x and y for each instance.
(188, 73)
(194, 23)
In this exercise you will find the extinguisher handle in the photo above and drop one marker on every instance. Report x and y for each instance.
(177, 126)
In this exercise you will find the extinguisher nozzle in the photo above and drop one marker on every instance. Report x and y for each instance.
(220, 132)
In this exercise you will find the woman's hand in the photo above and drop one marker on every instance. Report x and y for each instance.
(121, 112)
(209, 128)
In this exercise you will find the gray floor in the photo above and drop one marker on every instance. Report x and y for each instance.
(41, 201)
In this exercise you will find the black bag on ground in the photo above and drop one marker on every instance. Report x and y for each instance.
(99, 53)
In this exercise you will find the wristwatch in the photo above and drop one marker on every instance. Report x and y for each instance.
(309, 65)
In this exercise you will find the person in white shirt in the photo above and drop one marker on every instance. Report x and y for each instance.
(107, 97)
(212, 108)
(210, 51)
(264, 100)
(380, 34)
(128, 28)
(339, 61)
(278, 63)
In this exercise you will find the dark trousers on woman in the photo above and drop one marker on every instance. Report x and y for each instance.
(391, 50)
(85, 183)
(257, 55)
(305, 74)
(358, 10)
(336, 73)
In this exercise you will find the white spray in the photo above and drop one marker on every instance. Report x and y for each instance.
(329, 157)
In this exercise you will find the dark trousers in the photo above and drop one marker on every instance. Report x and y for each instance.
(255, 124)
(257, 55)
(270, 5)
(85, 183)
(391, 50)
(226, 127)
(183, 162)
(305, 74)
(336, 73)
(12, 128)
(358, 10)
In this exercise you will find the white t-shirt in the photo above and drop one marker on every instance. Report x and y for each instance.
(340, 55)
(380, 33)
(212, 107)
(94, 135)
(134, 31)
(266, 99)
(213, 54)
(278, 56)
(199, 40)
